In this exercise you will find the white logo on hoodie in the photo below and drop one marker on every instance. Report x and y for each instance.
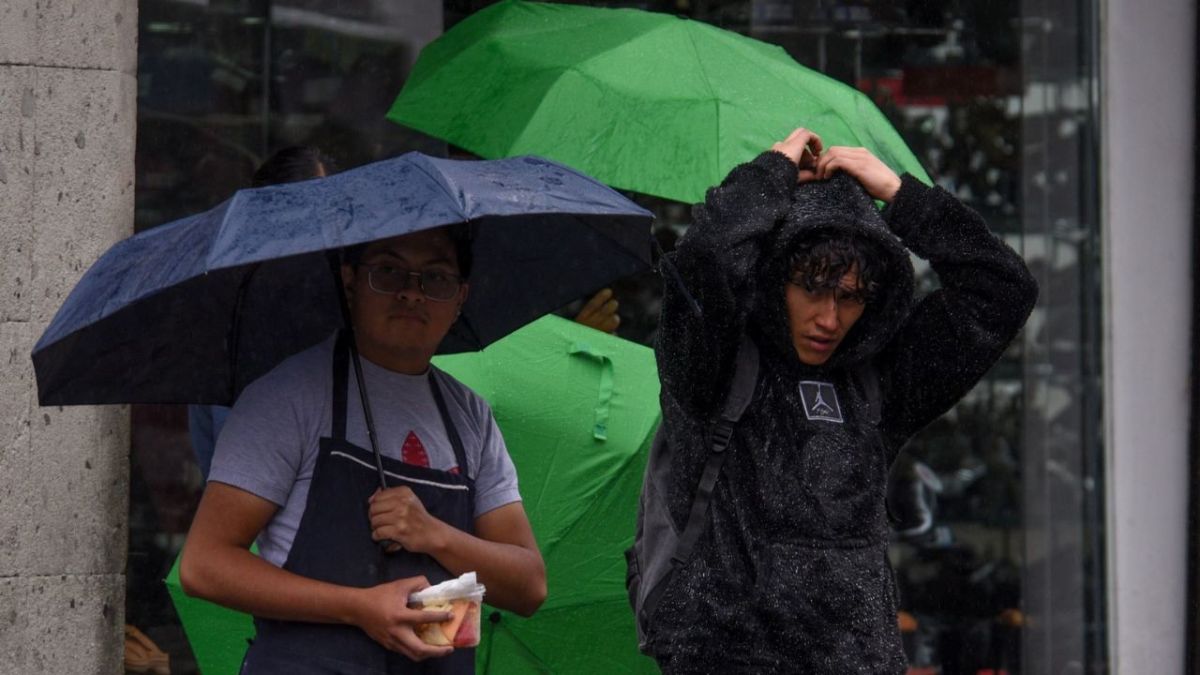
(820, 401)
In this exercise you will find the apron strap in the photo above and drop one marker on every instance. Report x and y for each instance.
(460, 454)
(341, 380)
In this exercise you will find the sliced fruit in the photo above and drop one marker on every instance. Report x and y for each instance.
(432, 633)
(450, 626)
(467, 634)
(448, 631)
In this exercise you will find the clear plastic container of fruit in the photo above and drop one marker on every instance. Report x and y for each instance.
(461, 597)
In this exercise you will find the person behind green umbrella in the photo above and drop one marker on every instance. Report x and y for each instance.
(340, 557)
(791, 572)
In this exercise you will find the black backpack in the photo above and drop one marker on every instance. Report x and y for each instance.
(658, 548)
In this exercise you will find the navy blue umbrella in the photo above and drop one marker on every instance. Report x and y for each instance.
(194, 310)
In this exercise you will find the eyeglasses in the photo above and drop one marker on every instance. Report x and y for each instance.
(434, 284)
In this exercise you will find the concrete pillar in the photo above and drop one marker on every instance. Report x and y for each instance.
(1149, 124)
(67, 124)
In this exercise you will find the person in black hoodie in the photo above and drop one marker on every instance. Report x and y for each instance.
(791, 575)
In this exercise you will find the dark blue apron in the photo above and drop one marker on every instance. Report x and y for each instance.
(333, 544)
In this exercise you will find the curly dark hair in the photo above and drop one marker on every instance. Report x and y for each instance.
(821, 261)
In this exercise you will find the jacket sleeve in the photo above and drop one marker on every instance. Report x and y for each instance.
(717, 260)
(955, 334)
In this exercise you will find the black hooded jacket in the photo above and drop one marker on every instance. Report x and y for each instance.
(791, 575)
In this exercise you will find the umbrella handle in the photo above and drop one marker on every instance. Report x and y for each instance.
(385, 544)
(335, 272)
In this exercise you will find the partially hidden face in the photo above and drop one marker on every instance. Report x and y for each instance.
(820, 318)
(398, 325)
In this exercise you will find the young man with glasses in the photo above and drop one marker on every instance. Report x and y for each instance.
(294, 470)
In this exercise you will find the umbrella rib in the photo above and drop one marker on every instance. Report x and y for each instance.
(565, 532)
(470, 328)
(229, 205)
(526, 648)
(235, 328)
(446, 189)
(713, 94)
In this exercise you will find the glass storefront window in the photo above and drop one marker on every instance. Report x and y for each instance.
(999, 536)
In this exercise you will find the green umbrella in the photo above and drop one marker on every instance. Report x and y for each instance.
(578, 409)
(217, 635)
(642, 101)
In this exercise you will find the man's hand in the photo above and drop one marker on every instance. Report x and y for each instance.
(802, 146)
(600, 312)
(385, 616)
(398, 515)
(880, 181)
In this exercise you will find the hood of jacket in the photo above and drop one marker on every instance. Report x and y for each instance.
(837, 204)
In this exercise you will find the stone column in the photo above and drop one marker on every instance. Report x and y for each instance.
(1147, 176)
(67, 123)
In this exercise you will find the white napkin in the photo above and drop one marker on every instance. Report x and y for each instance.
(462, 587)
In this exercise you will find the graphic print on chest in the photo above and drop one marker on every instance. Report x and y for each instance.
(413, 451)
(820, 401)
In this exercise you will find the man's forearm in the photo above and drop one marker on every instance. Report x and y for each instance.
(956, 240)
(515, 576)
(957, 332)
(718, 261)
(238, 579)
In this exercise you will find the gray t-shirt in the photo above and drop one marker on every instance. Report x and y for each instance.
(269, 445)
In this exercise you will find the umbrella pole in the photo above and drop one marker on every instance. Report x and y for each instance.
(366, 406)
(335, 270)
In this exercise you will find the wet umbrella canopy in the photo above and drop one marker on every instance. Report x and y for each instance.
(642, 101)
(578, 409)
(192, 311)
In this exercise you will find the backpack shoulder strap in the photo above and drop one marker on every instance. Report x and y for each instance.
(745, 377)
(868, 379)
